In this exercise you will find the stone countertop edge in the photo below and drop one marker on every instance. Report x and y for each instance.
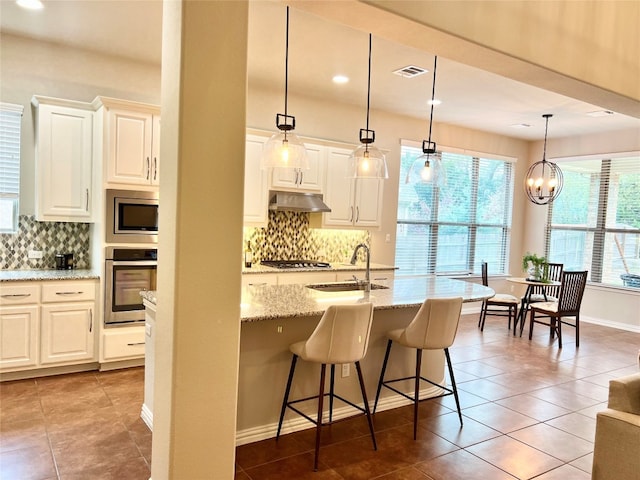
(335, 267)
(149, 296)
(36, 275)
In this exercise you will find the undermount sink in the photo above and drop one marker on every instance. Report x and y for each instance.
(343, 286)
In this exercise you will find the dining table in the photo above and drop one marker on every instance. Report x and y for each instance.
(531, 283)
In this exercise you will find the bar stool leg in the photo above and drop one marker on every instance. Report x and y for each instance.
(384, 368)
(453, 384)
(285, 400)
(559, 321)
(331, 383)
(366, 405)
(323, 370)
(416, 399)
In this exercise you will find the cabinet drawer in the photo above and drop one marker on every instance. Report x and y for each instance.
(123, 343)
(19, 294)
(68, 291)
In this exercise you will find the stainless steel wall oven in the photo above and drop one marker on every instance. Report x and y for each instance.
(127, 272)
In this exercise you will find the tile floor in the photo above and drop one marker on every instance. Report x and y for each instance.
(529, 412)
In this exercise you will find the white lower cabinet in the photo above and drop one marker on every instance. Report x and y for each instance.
(306, 277)
(67, 333)
(257, 279)
(47, 324)
(122, 343)
(18, 337)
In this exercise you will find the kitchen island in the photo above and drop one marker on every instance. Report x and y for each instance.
(275, 316)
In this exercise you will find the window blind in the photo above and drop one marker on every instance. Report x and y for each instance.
(10, 123)
(454, 226)
(594, 224)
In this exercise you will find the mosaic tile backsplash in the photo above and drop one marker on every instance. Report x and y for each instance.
(288, 236)
(48, 237)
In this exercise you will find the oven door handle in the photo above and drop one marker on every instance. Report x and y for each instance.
(133, 263)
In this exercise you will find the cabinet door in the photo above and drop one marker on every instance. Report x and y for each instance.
(67, 332)
(310, 180)
(129, 145)
(256, 207)
(338, 192)
(155, 151)
(64, 156)
(18, 337)
(368, 202)
(306, 278)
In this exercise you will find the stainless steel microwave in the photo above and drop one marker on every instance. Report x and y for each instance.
(132, 217)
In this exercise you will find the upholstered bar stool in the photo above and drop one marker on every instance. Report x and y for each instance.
(433, 328)
(341, 336)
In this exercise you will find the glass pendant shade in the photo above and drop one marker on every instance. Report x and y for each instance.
(544, 180)
(427, 168)
(367, 161)
(284, 150)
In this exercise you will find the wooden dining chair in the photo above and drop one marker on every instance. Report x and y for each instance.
(501, 304)
(548, 293)
(568, 305)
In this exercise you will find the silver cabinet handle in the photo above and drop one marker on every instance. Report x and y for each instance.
(70, 293)
(357, 214)
(90, 320)
(134, 344)
(301, 176)
(15, 295)
(148, 168)
(351, 216)
(155, 168)
(87, 208)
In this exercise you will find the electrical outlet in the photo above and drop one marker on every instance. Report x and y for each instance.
(512, 288)
(279, 329)
(345, 370)
(35, 254)
(387, 238)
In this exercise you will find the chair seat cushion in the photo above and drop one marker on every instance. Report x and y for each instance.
(550, 307)
(503, 298)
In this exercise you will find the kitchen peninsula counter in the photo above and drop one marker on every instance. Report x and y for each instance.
(275, 316)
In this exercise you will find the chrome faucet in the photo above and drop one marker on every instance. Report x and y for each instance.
(354, 257)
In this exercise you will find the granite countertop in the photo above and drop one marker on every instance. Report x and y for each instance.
(264, 302)
(335, 267)
(47, 274)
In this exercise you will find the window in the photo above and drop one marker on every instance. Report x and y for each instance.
(594, 224)
(452, 228)
(10, 120)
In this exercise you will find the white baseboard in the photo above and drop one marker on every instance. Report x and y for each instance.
(297, 423)
(147, 416)
(609, 323)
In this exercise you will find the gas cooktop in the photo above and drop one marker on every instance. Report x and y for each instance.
(285, 264)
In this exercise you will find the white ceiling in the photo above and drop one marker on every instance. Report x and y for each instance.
(319, 49)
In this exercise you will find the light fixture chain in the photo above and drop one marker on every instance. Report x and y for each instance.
(544, 149)
(433, 96)
(369, 85)
(286, 66)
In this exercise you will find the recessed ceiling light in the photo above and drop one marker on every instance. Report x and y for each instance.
(600, 113)
(340, 79)
(520, 125)
(30, 4)
(434, 102)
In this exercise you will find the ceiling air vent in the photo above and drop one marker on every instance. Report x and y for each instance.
(410, 71)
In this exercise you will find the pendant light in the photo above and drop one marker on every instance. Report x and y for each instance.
(284, 149)
(544, 180)
(367, 161)
(427, 168)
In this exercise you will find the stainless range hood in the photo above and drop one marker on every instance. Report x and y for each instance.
(297, 202)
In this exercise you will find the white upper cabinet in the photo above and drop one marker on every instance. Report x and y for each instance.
(353, 202)
(310, 180)
(64, 160)
(256, 191)
(132, 137)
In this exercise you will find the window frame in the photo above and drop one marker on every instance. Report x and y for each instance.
(10, 155)
(433, 225)
(600, 229)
